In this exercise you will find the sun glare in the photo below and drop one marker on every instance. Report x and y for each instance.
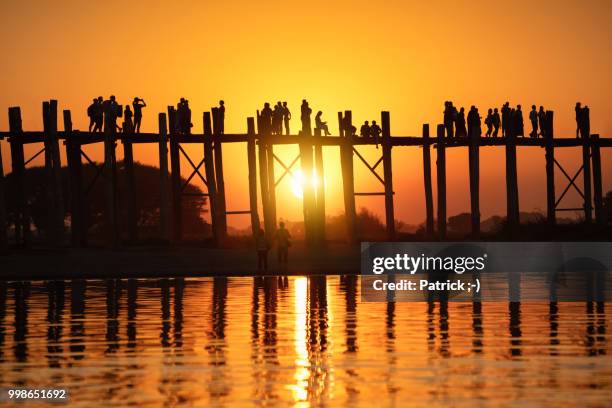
(298, 181)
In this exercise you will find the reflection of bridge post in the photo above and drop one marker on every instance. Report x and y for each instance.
(113, 293)
(22, 294)
(179, 293)
(55, 307)
(349, 285)
(515, 328)
(132, 298)
(77, 318)
(2, 317)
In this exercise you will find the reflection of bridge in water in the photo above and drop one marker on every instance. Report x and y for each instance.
(261, 160)
(307, 336)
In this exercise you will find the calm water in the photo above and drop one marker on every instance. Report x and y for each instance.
(296, 341)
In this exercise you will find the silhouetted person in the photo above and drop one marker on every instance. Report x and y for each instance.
(98, 115)
(365, 130)
(349, 129)
(306, 112)
(91, 112)
(520, 127)
(533, 118)
(265, 118)
(221, 111)
(578, 110)
(449, 118)
(460, 123)
(277, 119)
(184, 117)
(496, 122)
(112, 110)
(542, 120)
(473, 122)
(283, 242)
(286, 117)
(505, 117)
(375, 132)
(138, 104)
(585, 122)
(320, 125)
(511, 123)
(489, 122)
(128, 124)
(261, 244)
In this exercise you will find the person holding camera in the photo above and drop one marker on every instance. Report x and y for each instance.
(138, 104)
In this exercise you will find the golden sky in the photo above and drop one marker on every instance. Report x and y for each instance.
(402, 56)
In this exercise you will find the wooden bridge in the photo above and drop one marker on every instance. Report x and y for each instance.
(260, 149)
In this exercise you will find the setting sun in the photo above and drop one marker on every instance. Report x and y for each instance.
(298, 181)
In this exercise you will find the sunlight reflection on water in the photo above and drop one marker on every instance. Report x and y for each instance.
(297, 341)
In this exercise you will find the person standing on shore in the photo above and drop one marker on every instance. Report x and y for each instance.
(283, 242)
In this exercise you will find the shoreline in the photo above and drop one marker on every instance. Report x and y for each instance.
(157, 262)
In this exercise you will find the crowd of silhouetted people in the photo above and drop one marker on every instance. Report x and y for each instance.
(509, 119)
(105, 113)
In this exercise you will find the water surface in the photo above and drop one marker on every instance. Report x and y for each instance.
(297, 341)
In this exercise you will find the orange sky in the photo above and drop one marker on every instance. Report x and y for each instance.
(401, 56)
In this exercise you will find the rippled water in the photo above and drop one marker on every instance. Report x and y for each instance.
(296, 341)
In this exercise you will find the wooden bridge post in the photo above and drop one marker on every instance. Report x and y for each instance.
(22, 221)
(308, 192)
(346, 162)
(78, 231)
(55, 214)
(586, 172)
(219, 180)
(271, 184)
(128, 163)
(512, 203)
(429, 217)
(550, 169)
(474, 158)
(388, 174)
(597, 187)
(164, 193)
(320, 192)
(252, 164)
(441, 176)
(175, 177)
(3, 225)
(110, 182)
(211, 183)
(263, 180)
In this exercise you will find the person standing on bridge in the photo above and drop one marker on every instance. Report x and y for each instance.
(286, 117)
(138, 104)
(578, 110)
(520, 125)
(450, 113)
(542, 120)
(306, 112)
(496, 122)
(91, 112)
(460, 123)
(320, 125)
(98, 115)
(277, 119)
(533, 117)
(489, 122)
(505, 118)
(585, 123)
(473, 122)
(128, 124)
(221, 117)
(112, 110)
(265, 119)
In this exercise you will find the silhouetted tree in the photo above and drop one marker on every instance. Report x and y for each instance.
(147, 198)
